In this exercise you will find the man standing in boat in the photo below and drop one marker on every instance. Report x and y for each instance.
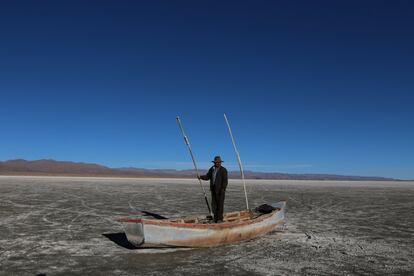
(217, 175)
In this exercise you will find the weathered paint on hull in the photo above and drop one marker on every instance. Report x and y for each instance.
(162, 233)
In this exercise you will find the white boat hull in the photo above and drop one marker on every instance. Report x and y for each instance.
(167, 233)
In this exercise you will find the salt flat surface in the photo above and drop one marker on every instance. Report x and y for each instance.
(64, 225)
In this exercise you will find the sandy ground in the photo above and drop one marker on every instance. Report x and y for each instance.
(63, 225)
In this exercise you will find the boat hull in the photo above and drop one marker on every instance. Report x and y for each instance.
(164, 233)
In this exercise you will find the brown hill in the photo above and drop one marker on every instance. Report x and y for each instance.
(67, 168)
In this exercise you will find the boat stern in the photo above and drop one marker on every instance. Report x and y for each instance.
(281, 205)
(134, 231)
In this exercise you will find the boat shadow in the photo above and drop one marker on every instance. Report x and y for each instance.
(121, 240)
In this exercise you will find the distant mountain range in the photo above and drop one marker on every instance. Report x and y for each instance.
(67, 168)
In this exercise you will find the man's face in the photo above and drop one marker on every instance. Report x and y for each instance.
(217, 164)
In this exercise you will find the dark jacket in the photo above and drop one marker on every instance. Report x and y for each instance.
(221, 179)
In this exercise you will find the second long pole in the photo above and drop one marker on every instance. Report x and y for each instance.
(238, 160)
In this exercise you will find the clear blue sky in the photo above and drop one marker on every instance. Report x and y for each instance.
(309, 86)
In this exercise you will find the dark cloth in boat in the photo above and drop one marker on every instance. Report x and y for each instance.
(218, 184)
(265, 209)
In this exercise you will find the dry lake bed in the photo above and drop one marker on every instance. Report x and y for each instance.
(63, 225)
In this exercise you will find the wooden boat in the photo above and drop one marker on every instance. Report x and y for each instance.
(200, 232)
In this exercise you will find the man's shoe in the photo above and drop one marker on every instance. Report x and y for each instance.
(219, 221)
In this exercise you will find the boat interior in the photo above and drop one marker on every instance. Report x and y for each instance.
(237, 216)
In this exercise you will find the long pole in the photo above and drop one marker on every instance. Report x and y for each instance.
(187, 142)
(238, 160)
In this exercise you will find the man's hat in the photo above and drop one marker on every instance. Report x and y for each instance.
(217, 159)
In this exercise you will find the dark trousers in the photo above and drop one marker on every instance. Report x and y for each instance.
(217, 204)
